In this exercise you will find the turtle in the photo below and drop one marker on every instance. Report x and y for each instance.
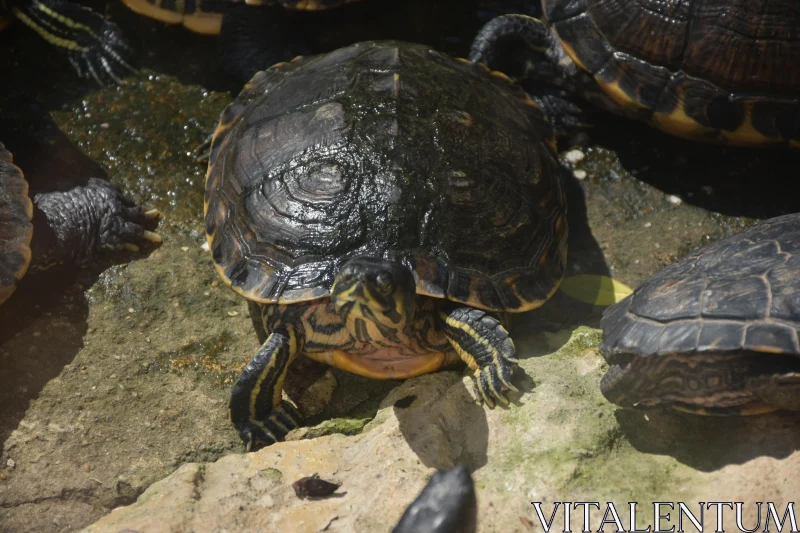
(381, 203)
(714, 333)
(95, 47)
(447, 504)
(62, 227)
(715, 70)
(250, 39)
(205, 16)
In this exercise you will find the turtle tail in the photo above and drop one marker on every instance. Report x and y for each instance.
(95, 46)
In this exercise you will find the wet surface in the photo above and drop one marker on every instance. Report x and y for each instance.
(113, 376)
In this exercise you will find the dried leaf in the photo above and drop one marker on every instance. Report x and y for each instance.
(594, 289)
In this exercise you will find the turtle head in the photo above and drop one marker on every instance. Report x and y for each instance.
(376, 299)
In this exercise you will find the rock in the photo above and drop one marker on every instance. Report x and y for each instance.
(574, 156)
(559, 441)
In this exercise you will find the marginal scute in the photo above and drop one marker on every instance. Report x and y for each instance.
(720, 336)
(462, 186)
(16, 230)
(771, 338)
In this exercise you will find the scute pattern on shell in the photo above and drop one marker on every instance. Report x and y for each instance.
(736, 294)
(741, 45)
(16, 230)
(391, 150)
(706, 69)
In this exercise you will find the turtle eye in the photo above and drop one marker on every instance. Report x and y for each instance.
(383, 282)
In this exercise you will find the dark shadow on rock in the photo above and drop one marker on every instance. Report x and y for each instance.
(211, 61)
(54, 297)
(736, 181)
(584, 256)
(441, 422)
(709, 443)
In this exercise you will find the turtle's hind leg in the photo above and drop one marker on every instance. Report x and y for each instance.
(73, 227)
(256, 408)
(484, 344)
(95, 47)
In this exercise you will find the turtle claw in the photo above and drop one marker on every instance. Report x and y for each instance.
(151, 236)
(152, 214)
(202, 152)
(130, 247)
(491, 382)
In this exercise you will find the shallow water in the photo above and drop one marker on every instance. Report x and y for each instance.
(113, 376)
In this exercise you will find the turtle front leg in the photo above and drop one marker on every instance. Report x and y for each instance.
(256, 408)
(95, 46)
(484, 344)
(74, 226)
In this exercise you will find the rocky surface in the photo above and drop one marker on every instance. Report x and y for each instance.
(559, 441)
(115, 377)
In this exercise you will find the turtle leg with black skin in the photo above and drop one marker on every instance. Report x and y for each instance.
(256, 409)
(74, 226)
(484, 344)
(95, 46)
(543, 61)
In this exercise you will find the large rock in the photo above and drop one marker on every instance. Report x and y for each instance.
(560, 441)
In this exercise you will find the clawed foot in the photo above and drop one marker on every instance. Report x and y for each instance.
(484, 344)
(492, 380)
(106, 55)
(122, 223)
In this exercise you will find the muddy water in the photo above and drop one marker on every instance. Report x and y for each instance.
(113, 376)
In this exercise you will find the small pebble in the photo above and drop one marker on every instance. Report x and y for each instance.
(575, 155)
(233, 313)
(118, 357)
(104, 125)
(674, 200)
(205, 247)
(185, 248)
(3, 476)
(11, 463)
(130, 309)
(648, 224)
(86, 468)
(580, 174)
(215, 283)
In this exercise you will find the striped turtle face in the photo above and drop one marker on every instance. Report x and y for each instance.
(376, 299)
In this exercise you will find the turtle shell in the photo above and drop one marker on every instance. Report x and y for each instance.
(16, 230)
(390, 150)
(694, 68)
(739, 294)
